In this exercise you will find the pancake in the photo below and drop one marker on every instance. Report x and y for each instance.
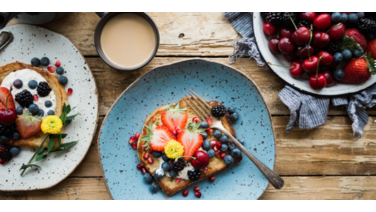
(168, 184)
(52, 81)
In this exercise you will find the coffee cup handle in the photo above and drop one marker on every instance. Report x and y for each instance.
(101, 14)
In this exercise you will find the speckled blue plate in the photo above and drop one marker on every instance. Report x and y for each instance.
(168, 84)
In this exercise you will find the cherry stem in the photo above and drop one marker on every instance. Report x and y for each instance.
(317, 68)
(292, 20)
(332, 27)
(309, 43)
(6, 104)
(281, 65)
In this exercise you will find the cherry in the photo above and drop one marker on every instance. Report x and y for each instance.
(327, 58)
(8, 115)
(285, 45)
(307, 16)
(273, 46)
(185, 193)
(320, 39)
(296, 69)
(270, 29)
(317, 81)
(304, 52)
(291, 56)
(337, 31)
(329, 78)
(200, 160)
(310, 64)
(322, 21)
(301, 36)
(286, 32)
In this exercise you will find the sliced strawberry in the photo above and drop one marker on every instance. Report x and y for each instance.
(174, 117)
(191, 139)
(3, 98)
(28, 125)
(157, 138)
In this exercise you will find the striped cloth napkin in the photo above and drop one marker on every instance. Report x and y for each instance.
(306, 111)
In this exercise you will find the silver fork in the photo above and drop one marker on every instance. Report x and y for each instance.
(203, 110)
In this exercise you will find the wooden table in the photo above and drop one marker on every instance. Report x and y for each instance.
(322, 163)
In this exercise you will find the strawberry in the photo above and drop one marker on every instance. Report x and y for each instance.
(3, 96)
(359, 37)
(174, 117)
(359, 70)
(28, 125)
(157, 138)
(371, 47)
(191, 139)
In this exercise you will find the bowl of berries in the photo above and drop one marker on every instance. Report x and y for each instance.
(321, 53)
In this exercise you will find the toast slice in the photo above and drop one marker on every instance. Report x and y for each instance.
(169, 185)
(52, 81)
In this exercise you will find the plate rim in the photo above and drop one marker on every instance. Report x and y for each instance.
(172, 63)
(293, 85)
(96, 119)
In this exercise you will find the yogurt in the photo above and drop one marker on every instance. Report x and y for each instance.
(27, 75)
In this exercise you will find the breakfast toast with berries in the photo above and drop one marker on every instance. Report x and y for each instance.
(176, 126)
(27, 125)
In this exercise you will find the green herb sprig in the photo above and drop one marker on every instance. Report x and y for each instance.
(43, 150)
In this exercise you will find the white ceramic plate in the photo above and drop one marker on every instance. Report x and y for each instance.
(31, 41)
(262, 41)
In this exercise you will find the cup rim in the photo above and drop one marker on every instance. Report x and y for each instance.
(98, 47)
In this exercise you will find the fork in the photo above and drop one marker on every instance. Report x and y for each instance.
(203, 110)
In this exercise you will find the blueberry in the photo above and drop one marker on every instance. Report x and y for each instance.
(229, 160)
(19, 110)
(236, 153)
(224, 148)
(154, 187)
(33, 109)
(338, 57)
(206, 145)
(16, 136)
(4, 139)
(353, 18)
(158, 173)
(241, 141)
(35, 62)
(166, 166)
(360, 14)
(224, 139)
(336, 17)
(231, 145)
(63, 80)
(40, 112)
(344, 18)
(346, 54)
(338, 74)
(165, 158)
(51, 112)
(234, 116)
(45, 61)
(210, 153)
(48, 103)
(173, 173)
(60, 70)
(217, 133)
(204, 125)
(204, 134)
(231, 109)
(157, 154)
(358, 53)
(14, 151)
(148, 178)
(18, 83)
(33, 84)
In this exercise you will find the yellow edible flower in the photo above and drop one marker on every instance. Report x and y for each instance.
(51, 125)
(173, 149)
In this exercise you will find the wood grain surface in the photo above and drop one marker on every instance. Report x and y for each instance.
(326, 162)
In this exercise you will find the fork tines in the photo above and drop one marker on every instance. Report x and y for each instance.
(198, 105)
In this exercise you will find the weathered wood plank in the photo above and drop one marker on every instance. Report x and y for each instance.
(205, 34)
(295, 188)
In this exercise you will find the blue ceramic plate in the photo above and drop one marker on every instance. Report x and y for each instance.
(168, 84)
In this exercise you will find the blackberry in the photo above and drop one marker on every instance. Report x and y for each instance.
(370, 15)
(366, 25)
(332, 48)
(5, 154)
(286, 21)
(178, 165)
(43, 89)
(194, 175)
(218, 111)
(24, 98)
(274, 18)
(304, 23)
(8, 130)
